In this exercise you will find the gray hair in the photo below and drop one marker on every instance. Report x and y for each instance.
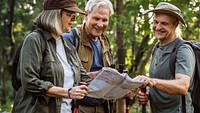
(178, 31)
(50, 20)
(91, 3)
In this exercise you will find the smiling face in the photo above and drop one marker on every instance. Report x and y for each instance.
(164, 27)
(97, 21)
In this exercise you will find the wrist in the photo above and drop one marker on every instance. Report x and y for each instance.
(69, 92)
(155, 82)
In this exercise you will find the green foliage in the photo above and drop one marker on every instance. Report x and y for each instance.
(135, 25)
(7, 108)
(9, 98)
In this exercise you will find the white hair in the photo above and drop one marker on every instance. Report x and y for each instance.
(106, 3)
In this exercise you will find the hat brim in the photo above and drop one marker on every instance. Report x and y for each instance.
(75, 9)
(168, 12)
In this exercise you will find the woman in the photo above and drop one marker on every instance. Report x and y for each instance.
(50, 82)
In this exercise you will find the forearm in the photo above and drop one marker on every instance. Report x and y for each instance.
(57, 92)
(176, 86)
(77, 92)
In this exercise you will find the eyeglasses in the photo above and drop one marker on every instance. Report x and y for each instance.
(70, 14)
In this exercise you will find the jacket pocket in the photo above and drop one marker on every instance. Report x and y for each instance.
(47, 70)
(83, 57)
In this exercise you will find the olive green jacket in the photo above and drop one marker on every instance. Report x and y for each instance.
(38, 73)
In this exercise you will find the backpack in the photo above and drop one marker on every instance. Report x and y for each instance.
(16, 83)
(195, 93)
(76, 38)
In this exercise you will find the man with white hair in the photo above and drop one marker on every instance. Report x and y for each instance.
(94, 48)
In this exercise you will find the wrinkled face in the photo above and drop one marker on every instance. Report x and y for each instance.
(97, 21)
(164, 26)
(67, 17)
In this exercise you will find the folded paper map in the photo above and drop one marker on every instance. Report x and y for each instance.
(110, 84)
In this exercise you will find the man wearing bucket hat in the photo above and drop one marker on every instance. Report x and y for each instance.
(165, 90)
(50, 79)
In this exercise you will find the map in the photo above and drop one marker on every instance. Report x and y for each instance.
(110, 84)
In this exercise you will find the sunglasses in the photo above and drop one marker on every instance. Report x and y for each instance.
(69, 13)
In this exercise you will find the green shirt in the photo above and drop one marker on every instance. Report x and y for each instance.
(161, 102)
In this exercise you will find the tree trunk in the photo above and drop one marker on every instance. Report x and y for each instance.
(121, 106)
(10, 20)
(141, 66)
(120, 33)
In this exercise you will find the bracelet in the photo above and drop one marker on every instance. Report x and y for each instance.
(69, 93)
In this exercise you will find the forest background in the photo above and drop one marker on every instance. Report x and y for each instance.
(129, 32)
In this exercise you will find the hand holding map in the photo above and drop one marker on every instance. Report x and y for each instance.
(110, 84)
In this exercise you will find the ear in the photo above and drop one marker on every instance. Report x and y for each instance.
(85, 16)
(176, 24)
(86, 13)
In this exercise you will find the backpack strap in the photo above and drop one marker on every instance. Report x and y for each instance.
(76, 38)
(172, 60)
(172, 63)
(43, 43)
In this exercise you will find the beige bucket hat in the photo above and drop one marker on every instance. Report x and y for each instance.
(164, 7)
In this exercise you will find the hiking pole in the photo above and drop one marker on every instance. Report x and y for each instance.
(128, 101)
(76, 102)
(143, 105)
(113, 102)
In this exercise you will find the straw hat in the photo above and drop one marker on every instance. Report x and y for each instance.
(62, 4)
(164, 7)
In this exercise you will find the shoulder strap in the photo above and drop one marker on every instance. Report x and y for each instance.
(172, 59)
(172, 63)
(43, 42)
(76, 38)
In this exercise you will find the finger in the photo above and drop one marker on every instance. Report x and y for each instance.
(82, 91)
(83, 87)
(78, 95)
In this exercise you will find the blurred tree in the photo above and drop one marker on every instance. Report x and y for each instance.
(129, 31)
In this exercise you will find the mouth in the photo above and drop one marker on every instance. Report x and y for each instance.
(160, 31)
(98, 28)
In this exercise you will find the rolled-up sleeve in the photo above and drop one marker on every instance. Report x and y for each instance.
(30, 66)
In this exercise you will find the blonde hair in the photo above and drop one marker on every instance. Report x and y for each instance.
(50, 20)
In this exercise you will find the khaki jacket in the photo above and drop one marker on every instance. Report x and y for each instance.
(85, 51)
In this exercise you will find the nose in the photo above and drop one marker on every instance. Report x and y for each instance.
(100, 24)
(73, 18)
(157, 26)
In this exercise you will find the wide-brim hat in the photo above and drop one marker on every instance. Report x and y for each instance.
(69, 5)
(164, 7)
